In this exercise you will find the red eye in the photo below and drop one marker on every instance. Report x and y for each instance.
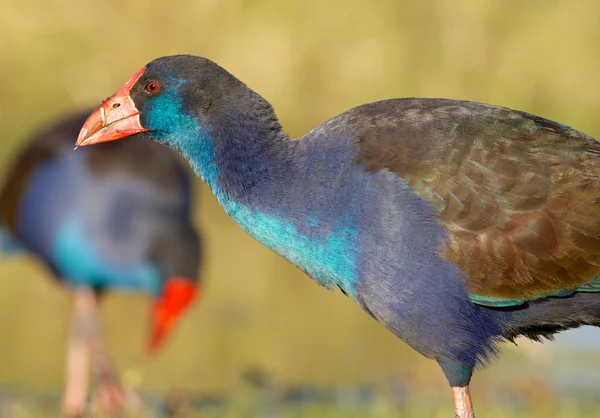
(152, 87)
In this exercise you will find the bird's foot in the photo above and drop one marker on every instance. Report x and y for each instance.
(110, 398)
(73, 404)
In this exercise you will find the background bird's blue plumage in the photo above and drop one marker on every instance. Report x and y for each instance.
(90, 231)
(81, 264)
(97, 227)
(112, 218)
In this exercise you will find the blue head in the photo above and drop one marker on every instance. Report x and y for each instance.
(198, 108)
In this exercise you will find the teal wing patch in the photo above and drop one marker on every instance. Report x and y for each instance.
(593, 286)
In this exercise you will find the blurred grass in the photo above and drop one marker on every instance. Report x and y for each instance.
(312, 60)
(379, 408)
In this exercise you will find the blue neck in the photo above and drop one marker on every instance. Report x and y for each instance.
(237, 160)
(248, 175)
(197, 146)
(257, 174)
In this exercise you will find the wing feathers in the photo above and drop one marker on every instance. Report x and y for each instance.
(517, 193)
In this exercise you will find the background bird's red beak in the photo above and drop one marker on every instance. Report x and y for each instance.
(177, 294)
(117, 117)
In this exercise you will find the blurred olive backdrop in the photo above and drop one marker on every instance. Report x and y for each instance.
(311, 59)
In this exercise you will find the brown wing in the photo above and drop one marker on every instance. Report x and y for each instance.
(518, 194)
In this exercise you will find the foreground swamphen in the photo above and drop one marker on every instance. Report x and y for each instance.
(112, 217)
(455, 224)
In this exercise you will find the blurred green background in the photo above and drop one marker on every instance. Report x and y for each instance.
(311, 59)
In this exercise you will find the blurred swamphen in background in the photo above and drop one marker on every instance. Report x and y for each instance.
(112, 217)
(455, 224)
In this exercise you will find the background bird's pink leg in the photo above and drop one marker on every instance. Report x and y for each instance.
(110, 396)
(86, 340)
(78, 350)
(463, 408)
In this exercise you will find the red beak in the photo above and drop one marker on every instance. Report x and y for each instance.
(177, 295)
(117, 117)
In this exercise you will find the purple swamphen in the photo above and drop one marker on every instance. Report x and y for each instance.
(114, 217)
(455, 224)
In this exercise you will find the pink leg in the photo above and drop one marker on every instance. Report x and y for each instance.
(463, 408)
(78, 350)
(86, 340)
(110, 395)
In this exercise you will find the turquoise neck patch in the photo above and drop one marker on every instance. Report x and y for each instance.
(328, 256)
(190, 139)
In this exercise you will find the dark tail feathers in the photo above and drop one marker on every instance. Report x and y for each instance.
(543, 318)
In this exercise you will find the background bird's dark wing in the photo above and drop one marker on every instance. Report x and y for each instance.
(110, 203)
(43, 146)
(518, 194)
